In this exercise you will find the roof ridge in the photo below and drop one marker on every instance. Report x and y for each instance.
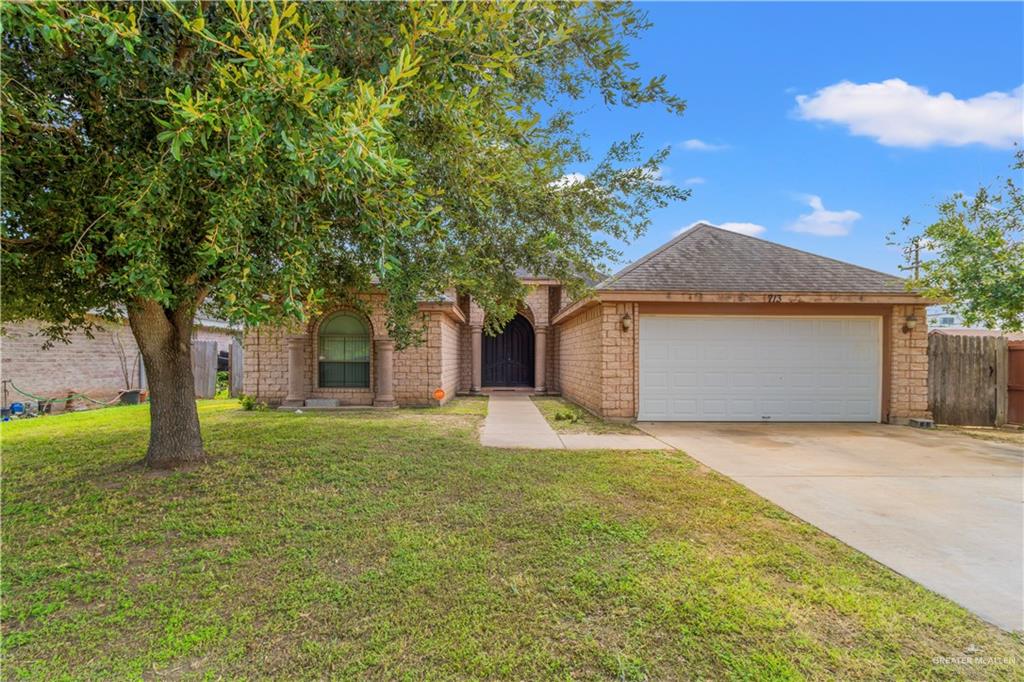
(651, 254)
(806, 253)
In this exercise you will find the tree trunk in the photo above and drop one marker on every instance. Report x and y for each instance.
(165, 341)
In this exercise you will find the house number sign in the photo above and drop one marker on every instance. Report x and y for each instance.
(773, 298)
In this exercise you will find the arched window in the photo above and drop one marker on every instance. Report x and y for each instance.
(344, 360)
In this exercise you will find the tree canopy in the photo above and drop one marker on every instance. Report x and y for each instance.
(256, 158)
(972, 257)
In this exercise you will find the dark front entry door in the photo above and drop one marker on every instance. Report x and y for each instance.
(508, 357)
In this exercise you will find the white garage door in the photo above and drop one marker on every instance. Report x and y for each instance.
(760, 368)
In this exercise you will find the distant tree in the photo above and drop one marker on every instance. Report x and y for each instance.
(972, 257)
(256, 158)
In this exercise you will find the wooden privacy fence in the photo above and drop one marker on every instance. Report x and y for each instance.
(235, 368)
(1015, 381)
(204, 369)
(968, 379)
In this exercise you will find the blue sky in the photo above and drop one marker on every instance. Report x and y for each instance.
(863, 150)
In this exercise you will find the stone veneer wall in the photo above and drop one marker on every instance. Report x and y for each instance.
(417, 369)
(908, 394)
(579, 359)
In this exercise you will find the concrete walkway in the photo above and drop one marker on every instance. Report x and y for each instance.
(513, 421)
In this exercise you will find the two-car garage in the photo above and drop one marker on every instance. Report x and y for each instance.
(716, 326)
(760, 368)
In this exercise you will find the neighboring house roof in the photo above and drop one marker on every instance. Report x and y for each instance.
(215, 323)
(710, 259)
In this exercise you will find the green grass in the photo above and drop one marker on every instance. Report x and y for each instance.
(467, 405)
(391, 545)
(1008, 435)
(585, 422)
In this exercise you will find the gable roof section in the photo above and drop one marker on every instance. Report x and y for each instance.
(709, 259)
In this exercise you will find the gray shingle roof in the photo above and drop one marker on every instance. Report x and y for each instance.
(708, 258)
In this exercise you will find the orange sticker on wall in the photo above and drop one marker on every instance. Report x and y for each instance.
(439, 394)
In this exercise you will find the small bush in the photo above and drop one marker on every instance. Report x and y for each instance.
(250, 403)
(222, 384)
(566, 414)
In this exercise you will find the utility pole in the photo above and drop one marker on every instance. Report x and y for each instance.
(913, 253)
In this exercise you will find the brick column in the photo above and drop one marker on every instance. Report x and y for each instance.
(296, 371)
(385, 394)
(540, 344)
(477, 346)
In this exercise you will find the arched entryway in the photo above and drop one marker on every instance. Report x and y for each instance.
(508, 358)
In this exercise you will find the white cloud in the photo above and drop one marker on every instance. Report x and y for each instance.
(569, 180)
(751, 229)
(898, 114)
(695, 145)
(694, 181)
(743, 228)
(822, 222)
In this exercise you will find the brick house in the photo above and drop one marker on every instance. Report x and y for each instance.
(711, 326)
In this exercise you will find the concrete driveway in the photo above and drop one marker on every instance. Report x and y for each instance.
(942, 509)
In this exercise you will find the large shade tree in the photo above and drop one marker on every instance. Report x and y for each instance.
(254, 158)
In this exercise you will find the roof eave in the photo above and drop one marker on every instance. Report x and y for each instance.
(448, 308)
(670, 296)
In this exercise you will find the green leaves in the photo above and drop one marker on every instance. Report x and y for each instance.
(972, 257)
(264, 156)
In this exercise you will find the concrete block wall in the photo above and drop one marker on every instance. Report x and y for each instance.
(908, 394)
(90, 366)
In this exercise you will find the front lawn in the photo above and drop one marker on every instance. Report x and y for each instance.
(392, 545)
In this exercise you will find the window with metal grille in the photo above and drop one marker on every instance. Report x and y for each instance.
(344, 360)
